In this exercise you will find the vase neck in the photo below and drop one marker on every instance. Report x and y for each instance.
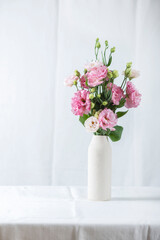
(99, 138)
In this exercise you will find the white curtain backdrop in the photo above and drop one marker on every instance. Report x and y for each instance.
(42, 42)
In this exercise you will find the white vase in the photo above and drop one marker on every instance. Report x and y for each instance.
(99, 169)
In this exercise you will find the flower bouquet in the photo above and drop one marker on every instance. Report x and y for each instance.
(98, 98)
(97, 101)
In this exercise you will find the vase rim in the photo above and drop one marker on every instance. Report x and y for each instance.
(100, 136)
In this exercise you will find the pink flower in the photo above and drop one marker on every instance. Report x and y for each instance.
(130, 88)
(81, 103)
(107, 119)
(96, 75)
(133, 97)
(134, 74)
(83, 82)
(70, 80)
(93, 64)
(117, 93)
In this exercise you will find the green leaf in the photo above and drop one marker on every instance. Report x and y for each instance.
(86, 83)
(109, 62)
(116, 135)
(121, 114)
(83, 118)
(121, 103)
(102, 132)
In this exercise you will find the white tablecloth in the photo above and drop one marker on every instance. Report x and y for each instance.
(56, 213)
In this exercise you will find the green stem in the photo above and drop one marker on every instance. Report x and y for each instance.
(124, 85)
(105, 55)
(77, 87)
(109, 57)
(123, 82)
(102, 58)
(95, 52)
(112, 85)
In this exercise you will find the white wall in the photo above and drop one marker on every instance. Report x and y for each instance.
(27, 77)
(41, 42)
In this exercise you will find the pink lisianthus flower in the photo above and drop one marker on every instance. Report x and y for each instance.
(83, 82)
(107, 119)
(93, 64)
(133, 97)
(130, 88)
(96, 75)
(117, 93)
(69, 81)
(134, 74)
(80, 103)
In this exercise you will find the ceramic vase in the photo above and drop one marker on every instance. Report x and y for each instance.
(99, 169)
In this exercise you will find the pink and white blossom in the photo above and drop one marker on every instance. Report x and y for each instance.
(133, 97)
(107, 119)
(69, 81)
(83, 82)
(96, 75)
(134, 74)
(117, 93)
(81, 103)
(93, 64)
(92, 124)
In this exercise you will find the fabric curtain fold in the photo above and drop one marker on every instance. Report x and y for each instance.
(41, 43)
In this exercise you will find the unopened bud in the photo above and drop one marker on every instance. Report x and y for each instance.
(109, 75)
(92, 105)
(93, 90)
(113, 49)
(105, 103)
(85, 71)
(97, 40)
(129, 64)
(98, 45)
(97, 113)
(127, 72)
(75, 82)
(91, 96)
(106, 43)
(76, 73)
(115, 73)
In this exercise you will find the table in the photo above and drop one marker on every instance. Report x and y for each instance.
(58, 213)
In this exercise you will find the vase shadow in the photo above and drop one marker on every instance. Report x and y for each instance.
(134, 199)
